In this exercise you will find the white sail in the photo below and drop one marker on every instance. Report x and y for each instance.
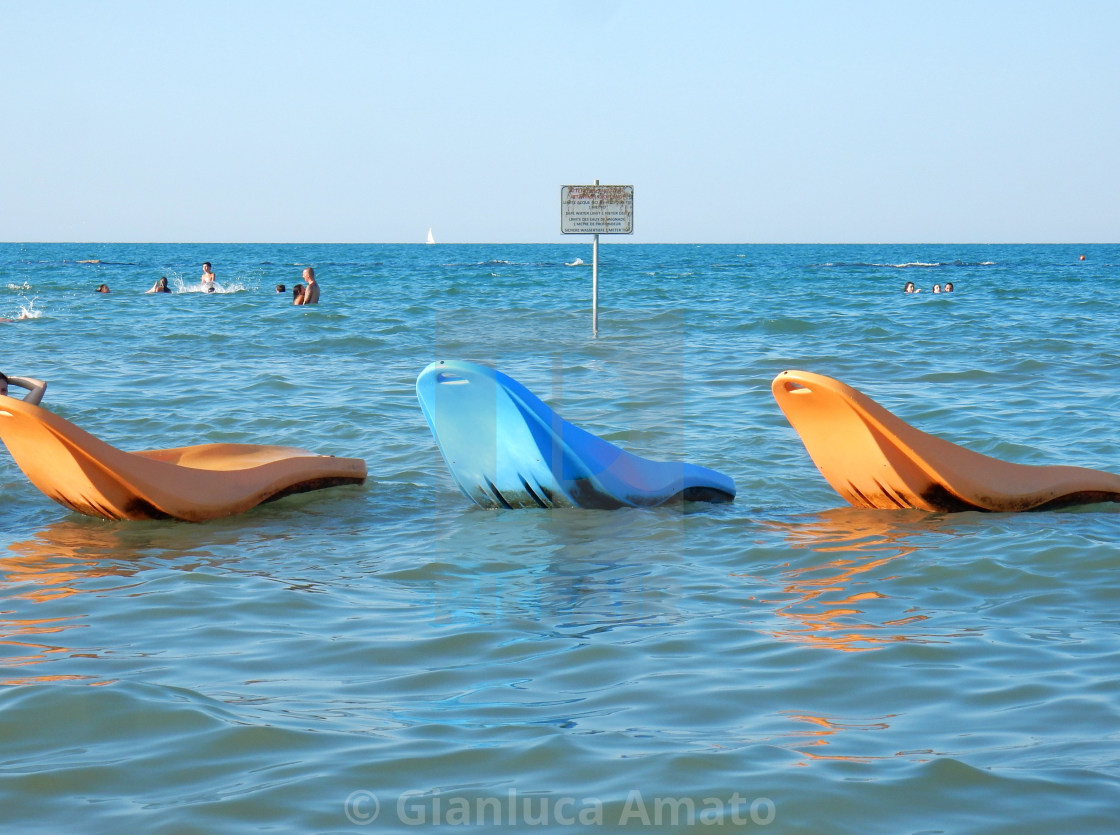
(431, 237)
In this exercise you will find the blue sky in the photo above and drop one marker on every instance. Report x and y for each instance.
(735, 121)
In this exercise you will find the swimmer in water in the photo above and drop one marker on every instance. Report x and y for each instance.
(160, 286)
(208, 277)
(35, 388)
(311, 292)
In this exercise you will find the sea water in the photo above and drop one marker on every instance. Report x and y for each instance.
(386, 657)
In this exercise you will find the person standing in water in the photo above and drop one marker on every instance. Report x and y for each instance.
(208, 277)
(35, 388)
(311, 294)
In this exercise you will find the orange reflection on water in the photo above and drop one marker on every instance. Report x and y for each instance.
(825, 728)
(52, 566)
(830, 605)
(60, 560)
(17, 653)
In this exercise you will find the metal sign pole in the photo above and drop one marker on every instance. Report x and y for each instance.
(593, 210)
(595, 284)
(595, 281)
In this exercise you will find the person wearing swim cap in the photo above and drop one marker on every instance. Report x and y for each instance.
(35, 388)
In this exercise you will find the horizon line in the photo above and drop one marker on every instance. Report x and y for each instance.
(560, 243)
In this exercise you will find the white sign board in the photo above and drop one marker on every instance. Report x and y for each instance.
(597, 210)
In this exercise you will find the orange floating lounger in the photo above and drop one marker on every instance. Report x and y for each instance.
(874, 459)
(193, 483)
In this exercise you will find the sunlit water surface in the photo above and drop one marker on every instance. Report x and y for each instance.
(376, 658)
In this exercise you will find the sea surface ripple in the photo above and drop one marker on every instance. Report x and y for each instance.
(387, 656)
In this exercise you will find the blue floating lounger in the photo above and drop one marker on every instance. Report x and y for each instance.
(506, 448)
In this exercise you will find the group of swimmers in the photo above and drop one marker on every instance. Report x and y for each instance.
(304, 293)
(301, 294)
(910, 288)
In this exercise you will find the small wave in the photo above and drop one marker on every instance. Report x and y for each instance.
(778, 325)
(24, 286)
(908, 264)
(218, 289)
(575, 263)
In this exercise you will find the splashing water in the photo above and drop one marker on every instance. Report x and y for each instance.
(215, 288)
(27, 310)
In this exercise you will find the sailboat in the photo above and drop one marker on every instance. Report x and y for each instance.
(431, 237)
